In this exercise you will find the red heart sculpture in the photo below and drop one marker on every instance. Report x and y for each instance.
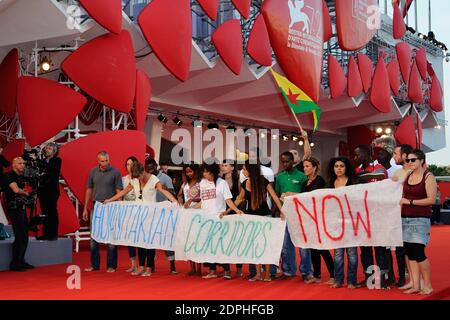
(172, 43)
(399, 27)
(105, 69)
(380, 96)
(296, 35)
(14, 149)
(107, 13)
(142, 99)
(406, 132)
(404, 59)
(415, 93)
(80, 156)
(209, 7)
(327, 24)
(336, 77)
(365, 69)
(67, 216)
(9, 75)
(421, 60)
(436, 95)
(258, 45)
(228, 41)
(394, 76)
(46, 107)
(419, 131)
(354, 86)
(355, 25)
(243, 6)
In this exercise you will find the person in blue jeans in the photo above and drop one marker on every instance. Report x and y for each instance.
(289, 182)
(104, 182)
(341, 173)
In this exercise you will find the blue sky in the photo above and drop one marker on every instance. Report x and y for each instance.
(440, 26)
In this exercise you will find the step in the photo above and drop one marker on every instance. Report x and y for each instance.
(39, 252)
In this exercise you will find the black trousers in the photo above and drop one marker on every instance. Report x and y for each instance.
(380, 257)
(146, 255)
(20, 227)
(315, 257)
(49, 208)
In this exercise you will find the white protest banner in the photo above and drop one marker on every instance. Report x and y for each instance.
(203, 237)
(137, 224)
(360, 215)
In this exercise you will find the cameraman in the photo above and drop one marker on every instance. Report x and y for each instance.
(14, 192)
(48, 191)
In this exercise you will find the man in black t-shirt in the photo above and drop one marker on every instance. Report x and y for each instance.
(13, 186)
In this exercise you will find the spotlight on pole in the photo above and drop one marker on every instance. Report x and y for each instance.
(177, 121)
(162, 118)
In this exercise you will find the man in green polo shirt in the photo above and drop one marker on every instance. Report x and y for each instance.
(290, 180)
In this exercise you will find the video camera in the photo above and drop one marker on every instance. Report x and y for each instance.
(33, 169)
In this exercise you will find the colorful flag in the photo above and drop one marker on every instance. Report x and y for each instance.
(297, 100)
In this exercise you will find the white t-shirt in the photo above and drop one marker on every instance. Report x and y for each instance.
(148, 191)
(130, 196)
(214, 196)
(191, 193)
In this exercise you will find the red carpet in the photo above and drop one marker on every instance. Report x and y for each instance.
(50, 282)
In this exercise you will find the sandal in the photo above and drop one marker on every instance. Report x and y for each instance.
(412, 291)
(255, 278)
(138, 271)
(406, 286)
(330, 282)
(426, 291)
(267, 279)
(131, 269)
(336, 286)
(147, 273)
(210, 276)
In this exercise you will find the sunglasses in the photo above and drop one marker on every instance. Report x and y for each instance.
(140, 195)
(411, 160)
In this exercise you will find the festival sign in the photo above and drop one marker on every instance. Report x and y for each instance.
(296, 35)
(359, 215)
(356, 22)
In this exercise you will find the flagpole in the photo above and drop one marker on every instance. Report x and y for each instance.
(296, 120)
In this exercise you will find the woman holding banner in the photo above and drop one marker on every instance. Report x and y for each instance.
(311, 167)
(341, 174)
(146, 185)
(130, 196)
(254, 191)
(189, 197)
(419, 194)
(215, 196)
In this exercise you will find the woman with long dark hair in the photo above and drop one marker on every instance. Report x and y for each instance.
(342, 173)
(215, 196)
(189, 197)
(230, 173)
(130, 196)
(254, 191)
(419, 194)
(311, 167)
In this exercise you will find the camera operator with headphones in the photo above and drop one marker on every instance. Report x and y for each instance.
(16, 198)
(48, 191)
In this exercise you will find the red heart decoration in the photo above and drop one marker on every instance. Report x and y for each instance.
(353, 25)
(406, 132)
(365, 69)
(399, 27)
(258, 45)
(296, 35)
(421, 60)
(209, 7)
(419, 131)
(46, 107)
(336, 77)
(380, 96)
(172, 44)
(107, 13)
(9, 76)
(105, 69)
(67, 216)
(404, 59)
(243, 6)
(119, 144)
(142, 99)
(394, 76)
(228, 41)
(14, 149)
(436, 95)
(415, 93)
(327, 24)
(354, 86)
